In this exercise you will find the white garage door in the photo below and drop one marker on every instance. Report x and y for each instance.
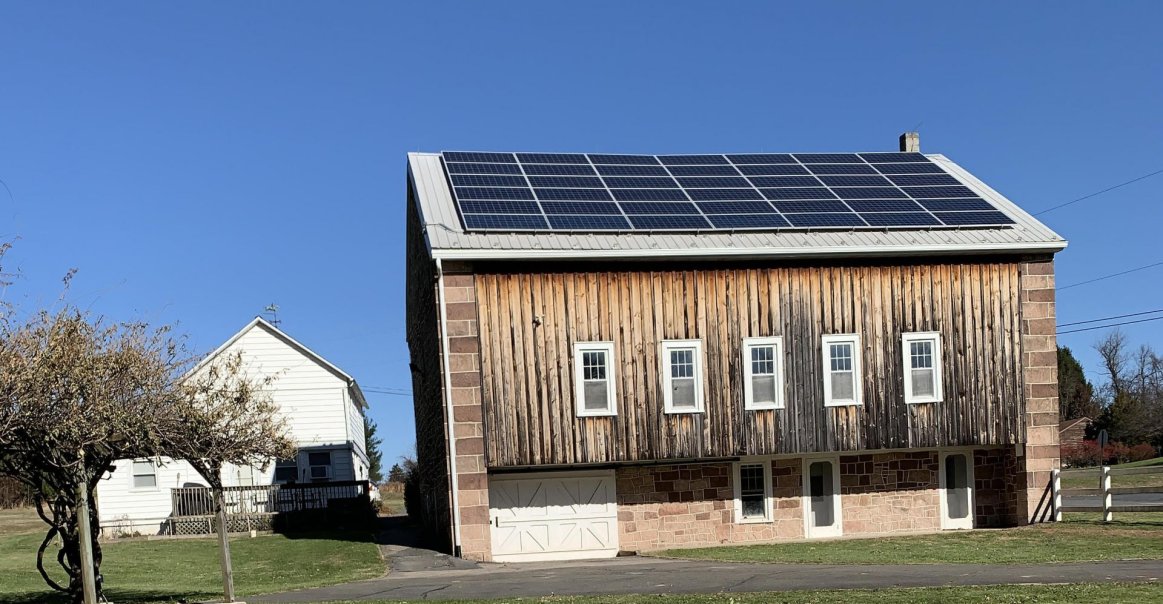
(553, 516)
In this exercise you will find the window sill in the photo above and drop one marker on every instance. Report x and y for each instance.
(764, 408)
(843, 404)
(754, 521)
(922, 401)
(683, 411)
(597, 414)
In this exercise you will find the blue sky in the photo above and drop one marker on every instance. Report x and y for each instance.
(198, 161)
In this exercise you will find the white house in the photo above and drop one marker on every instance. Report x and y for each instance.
(324, 408)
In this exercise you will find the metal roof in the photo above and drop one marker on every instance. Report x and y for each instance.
(447, 239)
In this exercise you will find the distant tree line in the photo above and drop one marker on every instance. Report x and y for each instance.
(1129, 405)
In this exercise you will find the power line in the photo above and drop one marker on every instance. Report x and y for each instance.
(389, 391)
(1134, 314)
(1104, 277)
(1108, 189)
(1107, 326)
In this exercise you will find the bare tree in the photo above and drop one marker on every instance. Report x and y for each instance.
(75, 395)
(225, 416)
(1113, 350)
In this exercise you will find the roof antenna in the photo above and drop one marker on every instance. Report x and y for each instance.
(272, 311)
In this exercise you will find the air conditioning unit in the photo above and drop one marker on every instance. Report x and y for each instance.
(320, 472)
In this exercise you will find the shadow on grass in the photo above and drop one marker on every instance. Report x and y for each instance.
(115, 595)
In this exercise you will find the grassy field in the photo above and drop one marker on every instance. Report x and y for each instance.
(393, 503)
(169, 569)
(1078, 539)
(1087, 478)
(1112, 593)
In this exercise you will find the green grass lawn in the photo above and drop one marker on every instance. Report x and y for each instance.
(1081, 539)
(168, 569)
(1087, 478)
(1107, 593)
(393, 503)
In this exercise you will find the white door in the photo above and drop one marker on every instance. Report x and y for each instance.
(553, 516)
(957, 490)
(822, 497)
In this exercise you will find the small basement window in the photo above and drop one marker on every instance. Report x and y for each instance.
(841, 370)
(922, 367)
(763, 373)
(144, 474)
(594, 378)
(682, 376)
(753, 491)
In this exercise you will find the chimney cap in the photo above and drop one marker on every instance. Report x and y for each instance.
(910, 142)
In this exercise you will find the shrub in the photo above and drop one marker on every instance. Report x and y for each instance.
(1082, 455)
(1116, 453)
(1142, 452)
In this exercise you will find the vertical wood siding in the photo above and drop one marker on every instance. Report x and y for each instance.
(530, 321)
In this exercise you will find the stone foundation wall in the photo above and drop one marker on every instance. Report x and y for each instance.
(996, 476)
(890, 492)
(692, 505)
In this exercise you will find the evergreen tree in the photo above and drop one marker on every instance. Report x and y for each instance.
(371, 443)
(396, 474)
(1075, 394)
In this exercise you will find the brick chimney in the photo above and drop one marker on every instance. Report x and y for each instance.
(911, 142)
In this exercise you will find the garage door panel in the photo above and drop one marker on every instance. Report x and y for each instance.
(553, 516)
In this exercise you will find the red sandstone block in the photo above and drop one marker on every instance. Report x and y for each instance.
(457, 280)
(477, 480)
(466, 379)
(467, 413)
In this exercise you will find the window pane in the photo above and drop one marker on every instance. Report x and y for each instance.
(820, 484)
(921, 354)
(286, 473)
(841, 357)
(319, 459)
(142, 467)
(922, 382)
(596, 395)
(682, 363)
(957, 486)
(763, 360)
(752, 494)
(144, 481)
(763, 388)
(842, 386)
(594, 365)
(684, 393)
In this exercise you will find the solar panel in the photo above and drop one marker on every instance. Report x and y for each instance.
(516, 192)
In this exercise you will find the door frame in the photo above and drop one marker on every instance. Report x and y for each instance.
(837, 528)
(946, 522)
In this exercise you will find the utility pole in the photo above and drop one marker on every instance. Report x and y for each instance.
(85, 537)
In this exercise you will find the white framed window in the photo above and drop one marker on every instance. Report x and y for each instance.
(752, 480)
(594, 378)
(763, 373)
(682, 376)
(921, 353)
(841, 370)
(144, 475)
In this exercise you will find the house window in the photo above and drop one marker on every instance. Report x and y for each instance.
(320, 466)
(594, 378)
(753, 491)
(287, 470)
(144, 475)
(841, 370)
(682, 376)
(922, 367)
(763, 373)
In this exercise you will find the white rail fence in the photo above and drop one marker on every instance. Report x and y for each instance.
(1105, 492)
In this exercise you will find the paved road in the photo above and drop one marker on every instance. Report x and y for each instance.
(649, 575)
(1153, 499)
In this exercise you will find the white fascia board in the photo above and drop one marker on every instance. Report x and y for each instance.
(1048, 247)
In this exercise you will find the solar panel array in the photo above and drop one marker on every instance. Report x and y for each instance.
(758, 191)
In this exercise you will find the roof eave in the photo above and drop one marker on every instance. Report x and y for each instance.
(1047, 247)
